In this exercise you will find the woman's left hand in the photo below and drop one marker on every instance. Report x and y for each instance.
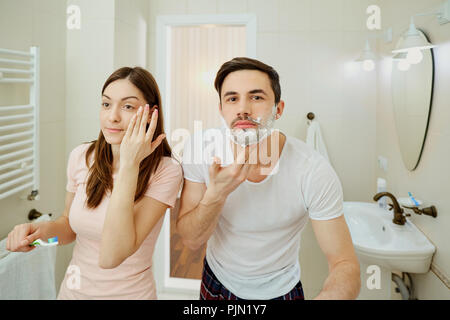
(137, 144)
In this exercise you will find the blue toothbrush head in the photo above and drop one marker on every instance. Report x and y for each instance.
(52, 240)
(413, 199)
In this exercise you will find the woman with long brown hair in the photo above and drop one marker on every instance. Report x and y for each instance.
(119, 187)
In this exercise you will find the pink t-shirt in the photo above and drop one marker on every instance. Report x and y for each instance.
(133, 278)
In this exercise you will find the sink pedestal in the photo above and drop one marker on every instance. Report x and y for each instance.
(375, 282)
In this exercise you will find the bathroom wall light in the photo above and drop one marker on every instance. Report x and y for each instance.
(414, 42)
(403, 65)
(402, 62)
(367, 58)
(400, 56)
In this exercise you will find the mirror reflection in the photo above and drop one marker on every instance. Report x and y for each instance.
(412, 92)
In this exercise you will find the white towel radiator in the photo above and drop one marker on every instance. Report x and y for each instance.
(19, 125)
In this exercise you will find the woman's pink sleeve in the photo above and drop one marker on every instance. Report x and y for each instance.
(165, 184)
(72, 167)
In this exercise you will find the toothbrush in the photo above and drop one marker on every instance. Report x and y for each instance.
(412, 198)
(51, 242)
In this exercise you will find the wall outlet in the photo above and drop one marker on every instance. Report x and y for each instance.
(383, 163)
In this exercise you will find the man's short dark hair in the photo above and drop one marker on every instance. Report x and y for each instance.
(243, 63)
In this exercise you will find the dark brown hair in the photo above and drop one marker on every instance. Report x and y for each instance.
(243, 63)
(100, 173)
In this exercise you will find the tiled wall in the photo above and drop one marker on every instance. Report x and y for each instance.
(112, 35)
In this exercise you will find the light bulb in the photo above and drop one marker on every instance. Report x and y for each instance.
(403, 65)
(368, 65)
(414, 56)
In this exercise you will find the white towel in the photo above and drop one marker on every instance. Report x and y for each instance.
(28, 275)
(315, 140)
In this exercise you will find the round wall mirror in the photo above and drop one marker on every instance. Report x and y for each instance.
(412, 92)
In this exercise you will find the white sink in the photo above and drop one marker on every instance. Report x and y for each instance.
(377, 240)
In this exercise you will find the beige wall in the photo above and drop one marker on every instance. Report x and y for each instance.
(112, 35)
(430, 182)
(89, 61)
(312, 44)
(130, 38)
(25, 23)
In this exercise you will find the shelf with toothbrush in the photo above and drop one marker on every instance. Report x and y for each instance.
(414, 204)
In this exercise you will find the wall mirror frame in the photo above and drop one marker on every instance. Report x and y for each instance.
(412, 99)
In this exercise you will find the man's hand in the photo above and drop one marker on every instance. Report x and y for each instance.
(224, 180)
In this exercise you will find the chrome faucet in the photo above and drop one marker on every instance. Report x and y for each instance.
(399, 218)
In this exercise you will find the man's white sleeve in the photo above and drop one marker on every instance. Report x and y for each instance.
(323, 192)
(192, 162)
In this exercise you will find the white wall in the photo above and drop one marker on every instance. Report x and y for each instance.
(431, 180)
(112, 35)
(25, 23)
(312, 44)
(130, 45)
(89, 61)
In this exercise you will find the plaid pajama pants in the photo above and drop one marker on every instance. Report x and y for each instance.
(212, 289)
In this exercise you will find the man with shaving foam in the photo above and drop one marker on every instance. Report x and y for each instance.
(250, 194)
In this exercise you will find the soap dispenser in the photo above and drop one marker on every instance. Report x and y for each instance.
(381, 187)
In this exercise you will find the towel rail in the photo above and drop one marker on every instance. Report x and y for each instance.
(15, 190)
(20, 122)
(16, 163)
(19, 62)
(15, 144)
(15, 80)
(20, 71)
(16, 135)
(15, 172)
(16, 117)
(16, 52)
(15, 154)
(15, 108)
(16, 181)
(16, 126)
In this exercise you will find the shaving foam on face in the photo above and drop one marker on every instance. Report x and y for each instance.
(250, 136)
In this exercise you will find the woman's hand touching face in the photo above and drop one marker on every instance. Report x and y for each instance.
(137, 142)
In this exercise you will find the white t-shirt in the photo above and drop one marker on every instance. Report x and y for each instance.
(254, 249)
